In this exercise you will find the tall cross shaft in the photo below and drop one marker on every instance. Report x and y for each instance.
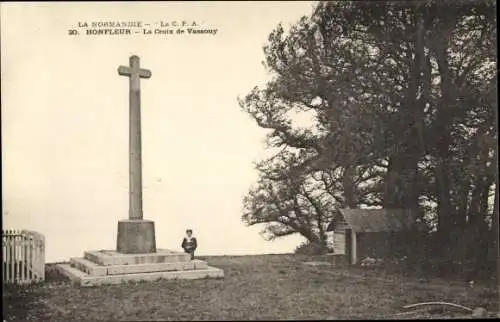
(135, 73)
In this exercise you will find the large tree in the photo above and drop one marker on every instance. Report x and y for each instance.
(402, 95)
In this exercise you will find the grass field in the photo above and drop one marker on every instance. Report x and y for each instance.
(261, 287)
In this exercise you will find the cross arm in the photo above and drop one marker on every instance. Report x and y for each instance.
(127, 71)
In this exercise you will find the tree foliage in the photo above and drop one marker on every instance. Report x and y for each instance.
(403, 101)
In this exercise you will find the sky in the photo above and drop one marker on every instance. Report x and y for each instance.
(65, 122)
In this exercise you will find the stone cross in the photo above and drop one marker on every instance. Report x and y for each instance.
(135, 73)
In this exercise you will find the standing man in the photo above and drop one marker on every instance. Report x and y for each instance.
(189, 243)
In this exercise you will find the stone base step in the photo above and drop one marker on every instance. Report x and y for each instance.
(79, 277)
(112, 257)
(88, 267)
(94, 269)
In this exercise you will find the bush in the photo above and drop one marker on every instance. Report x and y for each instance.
(308, 248)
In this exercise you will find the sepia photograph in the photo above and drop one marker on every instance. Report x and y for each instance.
(249, 160)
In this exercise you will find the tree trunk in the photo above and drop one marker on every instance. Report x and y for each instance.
(401, 190)
(442, 144)
(494, 215)
(479, 229)
(445, 224)
(320, 222)
(349, 187)
(495, 230)
(393, 190)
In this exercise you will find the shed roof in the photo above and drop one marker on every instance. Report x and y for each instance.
(376, 220)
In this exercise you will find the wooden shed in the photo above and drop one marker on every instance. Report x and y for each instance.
(376, 233)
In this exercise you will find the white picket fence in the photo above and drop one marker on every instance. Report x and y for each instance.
(23, 256)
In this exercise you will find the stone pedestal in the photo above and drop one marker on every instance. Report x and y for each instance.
(136, 237)
(112, 267)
